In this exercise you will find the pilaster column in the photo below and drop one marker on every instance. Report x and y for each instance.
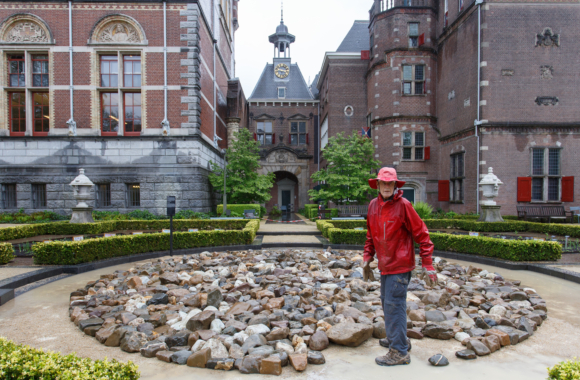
(233, 125)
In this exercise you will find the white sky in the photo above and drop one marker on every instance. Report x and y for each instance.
(319, 26)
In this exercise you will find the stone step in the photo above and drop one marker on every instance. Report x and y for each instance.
(281, 232)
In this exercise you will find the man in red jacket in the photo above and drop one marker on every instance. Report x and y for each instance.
(392, 225)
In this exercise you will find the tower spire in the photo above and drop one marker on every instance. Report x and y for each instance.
(282, 12)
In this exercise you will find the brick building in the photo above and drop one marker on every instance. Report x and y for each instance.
(283, 115)
(454, 87)
(135, 92)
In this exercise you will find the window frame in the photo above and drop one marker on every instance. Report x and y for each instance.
(413, 39)
(284, 90)
(414, 148)
(298, 134)
(99, 202)
(126, 119)
(413, 81)
(42, 75)
(101, 60)
(133, 58)
(43, 117)
(9, 59)
(10, 118)
(264, 134)
(109, 133)
(546, 178)
(36, 189)
(130, 202)
(457, 177)
(5, 205)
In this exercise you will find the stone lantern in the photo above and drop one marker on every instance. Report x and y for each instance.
(82, 186)
(490, 184)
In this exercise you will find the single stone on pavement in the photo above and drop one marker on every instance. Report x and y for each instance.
(316, 357)
(199, 359)
(349, 334)
(299, 361)
(478, 347)
(466, 354)
(271, 366)
(438, 360)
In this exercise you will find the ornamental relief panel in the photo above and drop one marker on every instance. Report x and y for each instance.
(118, 32)
(24, 29)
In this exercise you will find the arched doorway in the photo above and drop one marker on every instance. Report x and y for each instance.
(285, 191)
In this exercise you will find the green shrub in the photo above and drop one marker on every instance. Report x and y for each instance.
(77, 252)
(6, 253)
(275, 211)
(309, 207)
(143, 215)
(190, 214)
(342, 236)
(239, 209)
(27, 363)
(314, 213)
(263, 211)
(424, 209)
(571, 230)
(568, 370)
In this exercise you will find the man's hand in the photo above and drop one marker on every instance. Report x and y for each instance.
(431, 272)
(367, 271)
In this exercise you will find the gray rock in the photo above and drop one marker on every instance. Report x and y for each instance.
(435, 316)
(479, 348)
(250, 364)
(151, 348)
(259, 319)
(263, 351)
(158, 299)
(133, 341)
(379, 331)
(362, 306)
(438, 360)
(180, 357)
(214, 298)
(349, 334)
(466, 354)
(519, 296)
(316, 357)
(321, 313)
(436, 331)
(90, 322)
(255, 340)
(526, 326)
(318, 341)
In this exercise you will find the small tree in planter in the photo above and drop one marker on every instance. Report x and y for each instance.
(351, 164)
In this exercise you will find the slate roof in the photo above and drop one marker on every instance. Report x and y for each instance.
(267, 87)
(314, 86)
(357, 38)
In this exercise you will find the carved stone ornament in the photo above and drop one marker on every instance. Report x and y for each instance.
(26, 32)
(546, 72)
(118, 32)
(547, 38)
(547, 100)
(507, 72)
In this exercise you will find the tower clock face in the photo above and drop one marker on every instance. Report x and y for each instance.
(282, 70)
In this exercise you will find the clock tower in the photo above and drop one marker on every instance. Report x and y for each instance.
(282, 62)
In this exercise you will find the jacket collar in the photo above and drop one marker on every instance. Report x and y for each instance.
(398, 195)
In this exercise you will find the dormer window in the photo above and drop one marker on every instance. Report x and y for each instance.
(281, 92)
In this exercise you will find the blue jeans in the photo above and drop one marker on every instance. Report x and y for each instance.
(394, 300)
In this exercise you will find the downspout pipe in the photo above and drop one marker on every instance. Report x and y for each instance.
(165, 122)
(72, 125)
(215, 136)
(478, 121)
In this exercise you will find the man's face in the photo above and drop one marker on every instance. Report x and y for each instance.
(386, 188)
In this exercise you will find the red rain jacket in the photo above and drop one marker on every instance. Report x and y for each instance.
(391, 228)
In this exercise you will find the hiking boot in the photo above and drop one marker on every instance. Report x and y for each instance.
(385, 343)
(393, 357)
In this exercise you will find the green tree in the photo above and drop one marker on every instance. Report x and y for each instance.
(243, 183)
(351, 164)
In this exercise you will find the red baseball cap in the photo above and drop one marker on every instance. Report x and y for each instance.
(386, 175)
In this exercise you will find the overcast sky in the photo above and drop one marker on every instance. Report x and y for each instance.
(319, 26)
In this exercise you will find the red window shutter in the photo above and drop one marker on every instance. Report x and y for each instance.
(255, 137)
(444, 191)
(427, 153)
(524, 189)
(365, 55)
(273, 139)
(567, 189)
(307, 138)
(422, 39)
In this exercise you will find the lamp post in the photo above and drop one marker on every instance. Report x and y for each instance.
(225, 210)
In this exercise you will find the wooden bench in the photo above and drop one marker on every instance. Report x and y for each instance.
(325, 214)
(544, 212)
(352, 210)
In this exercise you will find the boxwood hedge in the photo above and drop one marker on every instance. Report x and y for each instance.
(239, 209)
(27, 363)
(571, 230)
(6, 253)
(77, 252)
(65, 228)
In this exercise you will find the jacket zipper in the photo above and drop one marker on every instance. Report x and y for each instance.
(384, 231)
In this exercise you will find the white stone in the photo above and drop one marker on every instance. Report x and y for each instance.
(498, 310)
(218, 350)
(301, 348)
(145, 280)
(284, 347)
(483, 273)
(461, 336)
(198, 345)
(329, 287)
(452, 286)
(412, 298)
(520, 304)
(240, 337)
(210, 308)
(465, 323)
(257, 329)
(217, 325)
(242, 268)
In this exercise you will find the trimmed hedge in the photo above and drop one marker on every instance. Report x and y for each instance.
(77, 252)
(65, 228)
(239, 208)
(309, 207)
(566, 370)
(571, 230)
(6, 253)
(26, 363)
(314, 213)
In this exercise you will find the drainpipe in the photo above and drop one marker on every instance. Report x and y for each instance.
(478, 121)
(165, 122)
(72, 125)
(215, 136)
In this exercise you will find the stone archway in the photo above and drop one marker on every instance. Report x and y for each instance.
(285, 160)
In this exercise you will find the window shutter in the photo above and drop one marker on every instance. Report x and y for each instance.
(427, 153)
(444, 191)
(567, 189)
(273, 138)
(255, 137)
(307, 138)
(524, 189)
(365, 55)
(422, 39)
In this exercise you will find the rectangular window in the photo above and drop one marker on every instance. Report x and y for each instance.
(324, 133)
(546, 174)
(17, 113)
(103, 195)
(16, 70)
(38, 195)
(109, 113)
(281, 92)
(413, 145)
(40, 70)
(40, 113)
(413, 34)
(132, 113)
(9, 195)
(554, 162)
(264, 132)
(537, 189)
(413, 79)
(133, 195)
(456, 177)
(538, 162)
(553, 189)
(461, 4)
(132, 70)
(109, 71)
(298, 133)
